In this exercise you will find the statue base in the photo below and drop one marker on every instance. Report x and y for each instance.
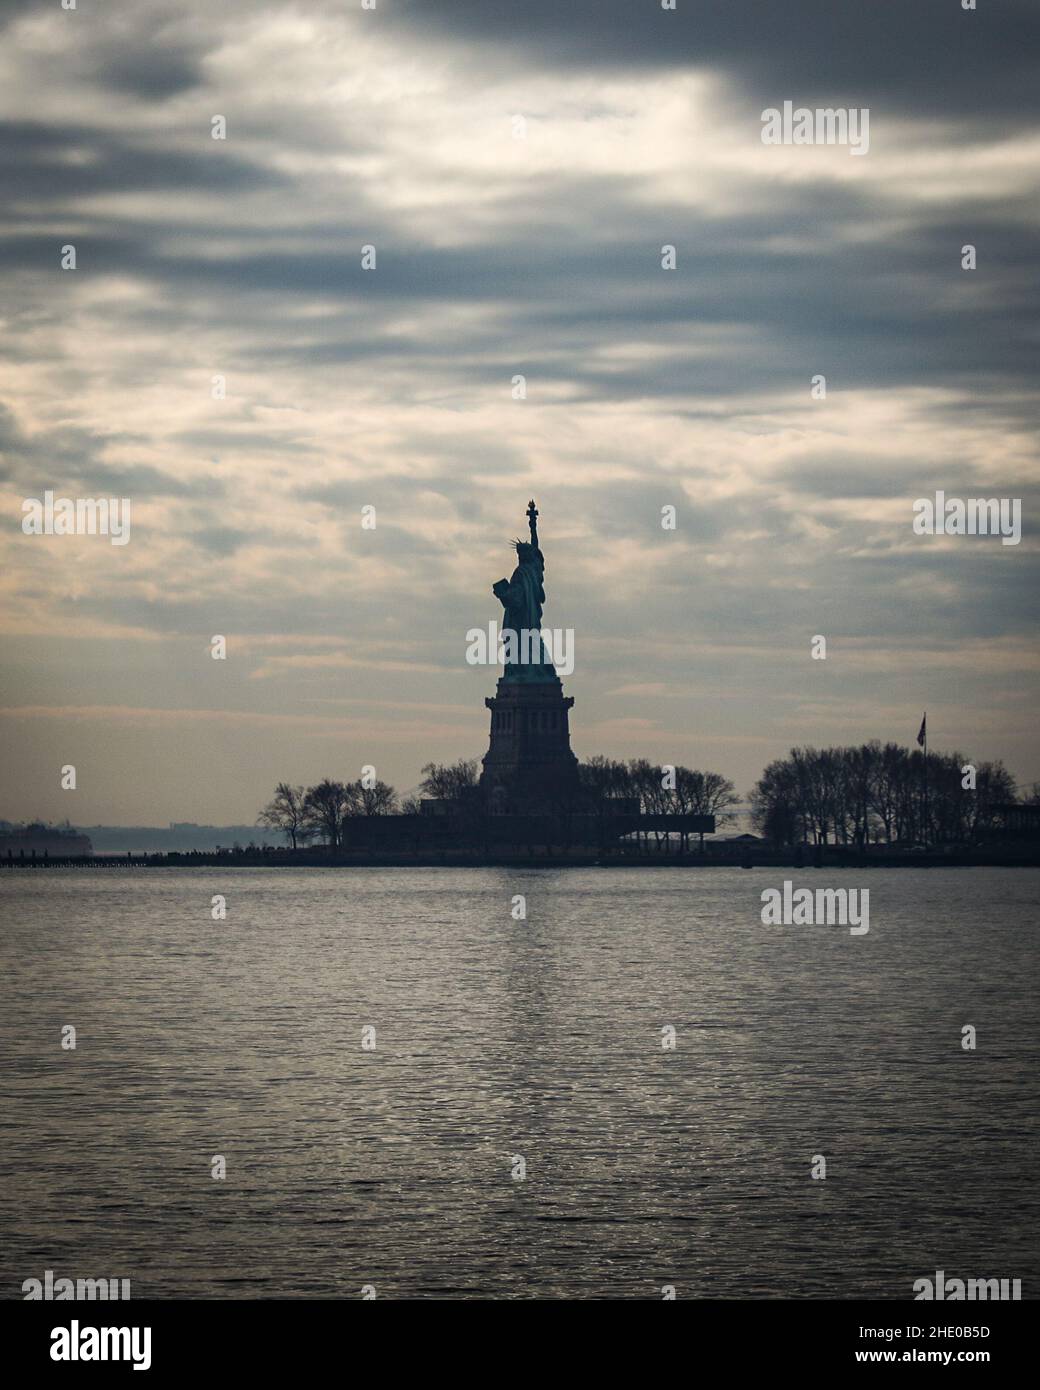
(529, 768)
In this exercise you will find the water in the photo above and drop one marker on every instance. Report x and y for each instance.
(497, 1038)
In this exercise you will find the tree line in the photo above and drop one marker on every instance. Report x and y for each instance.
(850, 796)
(323, 812)
(881, 794)
(659, 789)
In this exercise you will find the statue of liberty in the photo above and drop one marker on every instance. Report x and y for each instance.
(522, 597)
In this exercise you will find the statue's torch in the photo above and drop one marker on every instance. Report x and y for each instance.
(532, 517)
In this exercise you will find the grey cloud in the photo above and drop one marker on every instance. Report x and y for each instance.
(854, 474)
(67, 457)
(51, 164)
(159, 70)
(220, 540)
(923, 57)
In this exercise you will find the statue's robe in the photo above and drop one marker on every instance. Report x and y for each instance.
(523, 598)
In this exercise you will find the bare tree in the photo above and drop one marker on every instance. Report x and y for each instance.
(604, 779)
(285, 812)
(702, 794)
(324, 809)
(378, 800)
(448, 782)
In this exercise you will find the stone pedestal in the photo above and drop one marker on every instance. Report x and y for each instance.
(529, 768)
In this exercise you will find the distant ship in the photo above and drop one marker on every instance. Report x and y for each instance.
(39, 841)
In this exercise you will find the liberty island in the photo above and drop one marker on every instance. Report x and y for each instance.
(530, 798)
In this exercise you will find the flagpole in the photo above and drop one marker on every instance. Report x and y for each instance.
(924, 837)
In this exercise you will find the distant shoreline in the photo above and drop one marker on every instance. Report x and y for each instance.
(809, 857)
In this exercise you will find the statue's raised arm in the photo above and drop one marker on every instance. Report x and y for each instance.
(532, 517)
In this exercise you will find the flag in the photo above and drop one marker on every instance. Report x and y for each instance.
(922, 732)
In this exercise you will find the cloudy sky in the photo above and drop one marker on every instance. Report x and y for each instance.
(505, 248)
